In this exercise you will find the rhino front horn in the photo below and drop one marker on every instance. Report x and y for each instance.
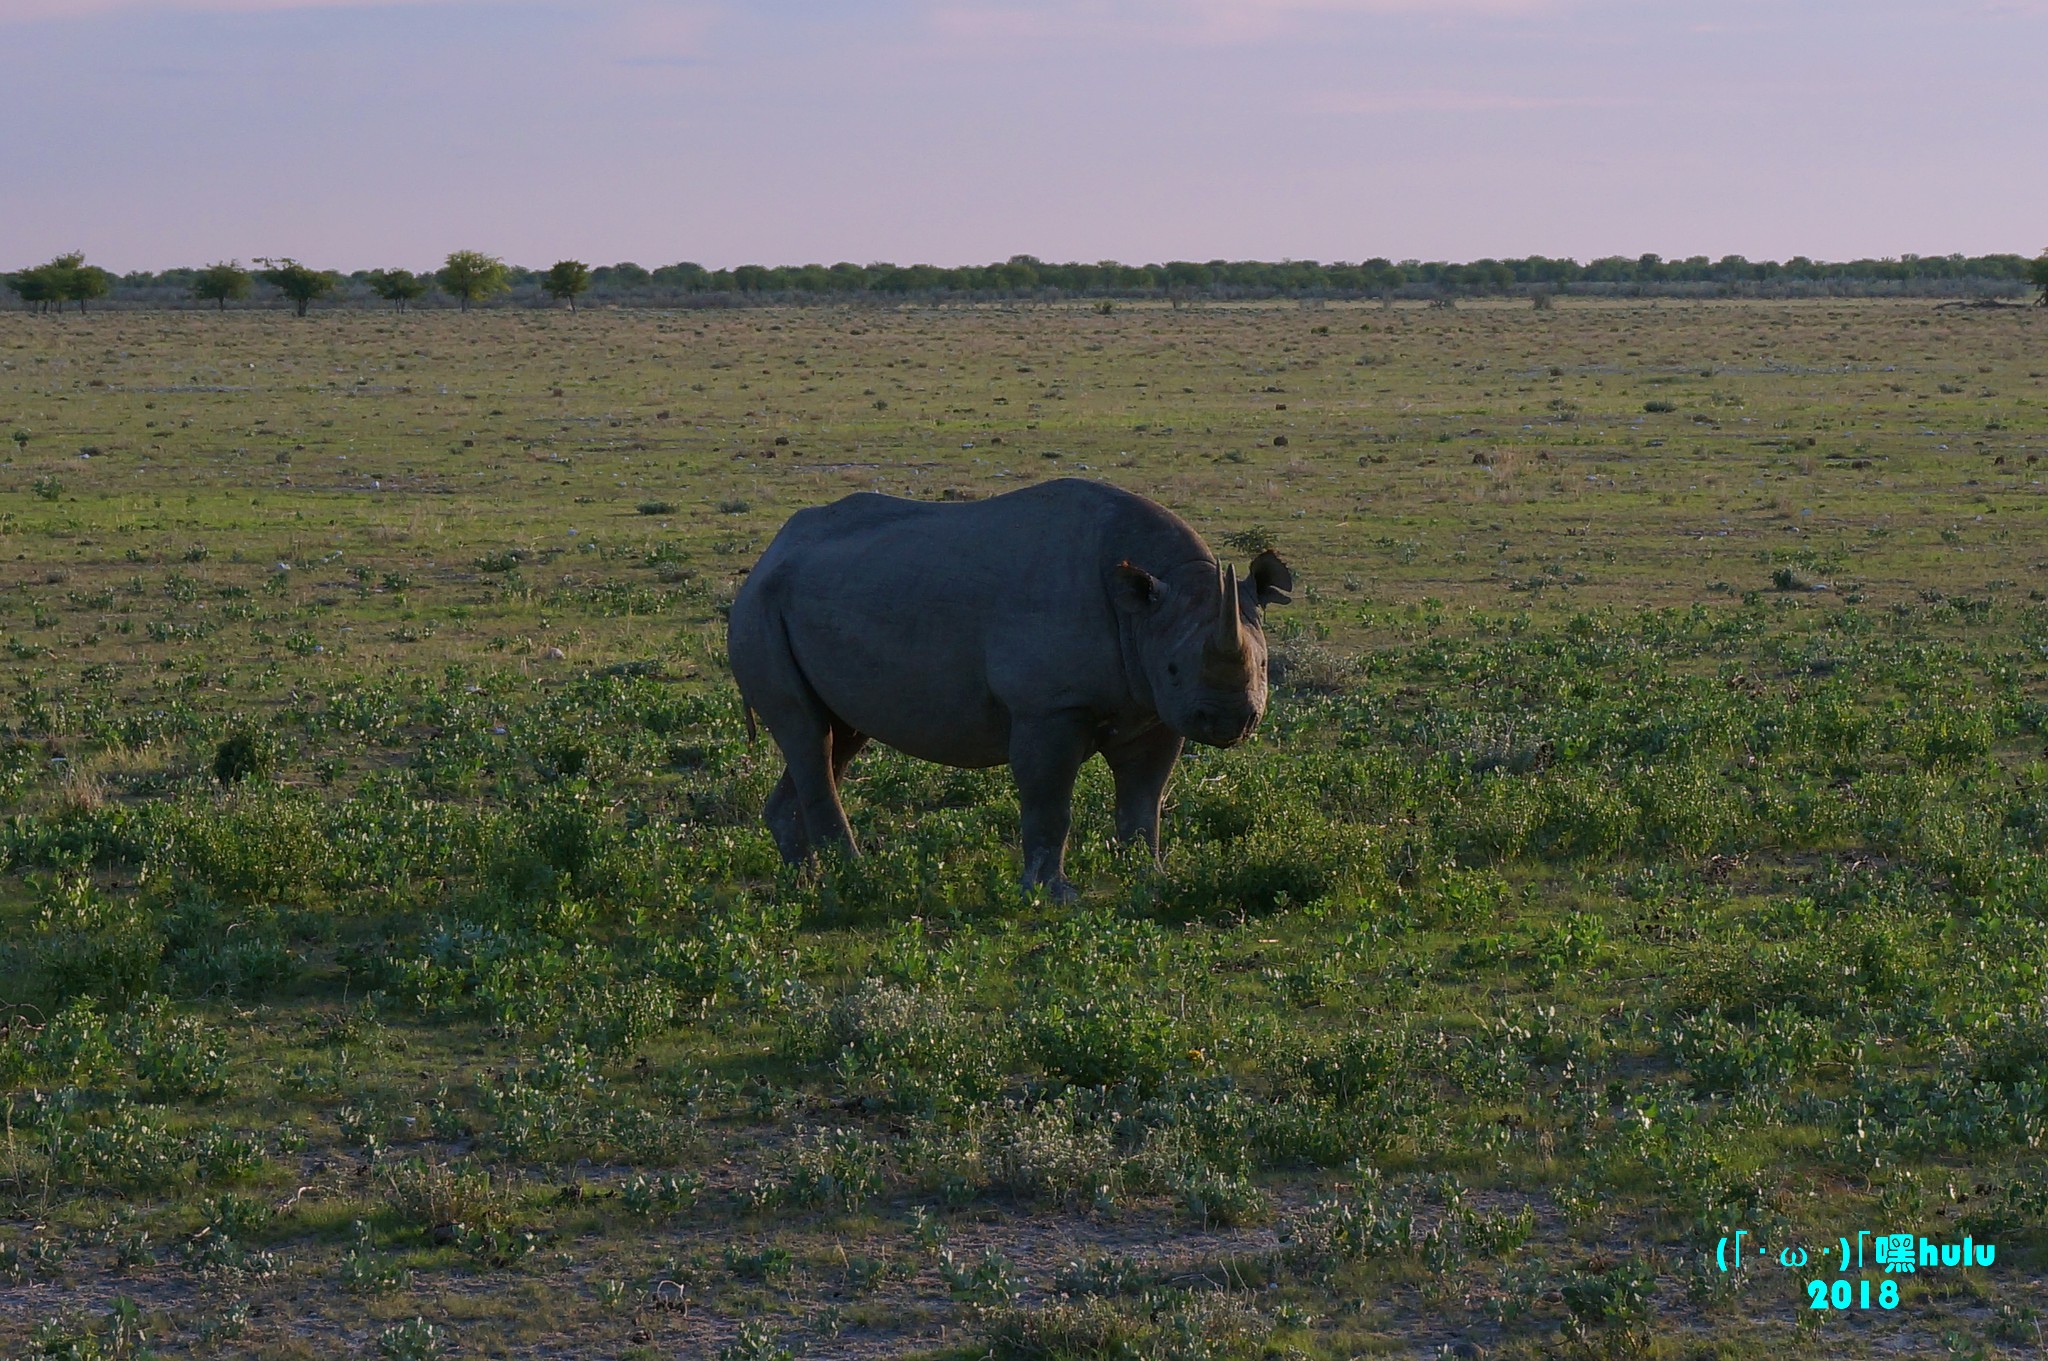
(1229, 638)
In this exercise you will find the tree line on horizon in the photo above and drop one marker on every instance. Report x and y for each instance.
(469, 276)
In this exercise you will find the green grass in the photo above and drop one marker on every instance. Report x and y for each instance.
(1645, 842)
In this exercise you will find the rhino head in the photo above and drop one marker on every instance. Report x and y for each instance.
(1199, 641)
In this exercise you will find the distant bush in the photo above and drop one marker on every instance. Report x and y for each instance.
(1787, 579)
(244, 756)
(1256, 539)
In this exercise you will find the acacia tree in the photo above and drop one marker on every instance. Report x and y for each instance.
(2038, 271)
(83, 281)
(218, 283)
(565, 279)
(298, 282)
(34, 287)
(397, 286)
(471, 275)
(64, 278)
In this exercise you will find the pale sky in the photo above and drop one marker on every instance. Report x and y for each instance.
(153, 133)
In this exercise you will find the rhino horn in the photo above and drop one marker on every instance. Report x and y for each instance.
(1228, 641)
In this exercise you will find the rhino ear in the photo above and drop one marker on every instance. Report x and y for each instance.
(1134, 589)
(1271, 578)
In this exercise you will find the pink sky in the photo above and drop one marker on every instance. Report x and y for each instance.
(152, 133)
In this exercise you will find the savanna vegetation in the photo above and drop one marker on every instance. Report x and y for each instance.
(470, 276)
(1645, 842)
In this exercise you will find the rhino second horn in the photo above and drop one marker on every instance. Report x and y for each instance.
(1229, 639)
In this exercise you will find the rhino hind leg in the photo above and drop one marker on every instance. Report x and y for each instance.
(784, 812)
(1141, 767)
(803, 813)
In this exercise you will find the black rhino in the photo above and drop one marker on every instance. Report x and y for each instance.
(1035, 629)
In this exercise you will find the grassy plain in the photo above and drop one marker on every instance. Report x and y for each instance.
(1645, 843)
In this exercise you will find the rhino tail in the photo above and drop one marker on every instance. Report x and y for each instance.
(748, 710)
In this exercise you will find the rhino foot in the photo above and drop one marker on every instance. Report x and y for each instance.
(1059, 890)
(786, 822)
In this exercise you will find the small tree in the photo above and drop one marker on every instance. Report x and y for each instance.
(35, 288)
(472, 276)
(218, 283)
(83, 281)
(2039, 273)
(565, 279)
(298, 282)
(64, 278)
(397, 286)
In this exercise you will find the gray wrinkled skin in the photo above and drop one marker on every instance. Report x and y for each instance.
(1034, 629)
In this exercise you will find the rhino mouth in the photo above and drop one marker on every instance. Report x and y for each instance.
(1220, 727)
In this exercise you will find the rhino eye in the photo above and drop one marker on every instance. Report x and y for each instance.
(1173, 668)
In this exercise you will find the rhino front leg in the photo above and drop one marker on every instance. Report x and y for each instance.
(1045, 756)
(1142, 766)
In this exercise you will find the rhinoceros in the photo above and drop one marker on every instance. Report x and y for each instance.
(1032, 629)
